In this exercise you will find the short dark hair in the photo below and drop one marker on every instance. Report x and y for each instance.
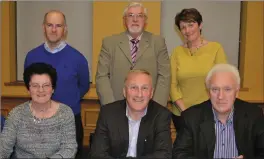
(40, 69)
(188, 15)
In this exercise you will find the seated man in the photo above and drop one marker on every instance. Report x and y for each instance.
(224, 126)
(136, 127)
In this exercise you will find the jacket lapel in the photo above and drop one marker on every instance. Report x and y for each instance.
(239, 126)
(143, 45)
(123, 127)
(143, 131)
(208, 129)
(125, 47)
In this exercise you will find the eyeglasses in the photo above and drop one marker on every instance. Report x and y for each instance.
(131, 16)
(224, 89)
(136, 88)
(35, 87)
(49, 25)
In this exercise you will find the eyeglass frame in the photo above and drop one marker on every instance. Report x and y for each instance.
(131, 16)
(37, 87)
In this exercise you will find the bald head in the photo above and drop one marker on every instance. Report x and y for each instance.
(55, 13)
(54, 28)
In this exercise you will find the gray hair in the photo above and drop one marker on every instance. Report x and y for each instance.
(223, 68)
(135, 4)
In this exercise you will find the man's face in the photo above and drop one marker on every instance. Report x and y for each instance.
(223, 91)
(138, 91)
(54, 28)
(135, 20)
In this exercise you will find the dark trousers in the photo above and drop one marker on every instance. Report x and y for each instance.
(177, 121)
(79, 134)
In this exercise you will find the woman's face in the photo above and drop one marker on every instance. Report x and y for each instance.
(190, 30)
(40, 88)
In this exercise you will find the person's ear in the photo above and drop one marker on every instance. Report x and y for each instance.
(124, 92)
(152, 92)
(237, 91)
(43, 28)
(201, 26)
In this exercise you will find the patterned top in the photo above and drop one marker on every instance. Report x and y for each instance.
(52, 137)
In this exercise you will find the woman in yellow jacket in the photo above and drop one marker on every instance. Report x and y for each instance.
(190, 64)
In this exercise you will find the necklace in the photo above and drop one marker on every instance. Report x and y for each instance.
(33, 112)
(194, 50)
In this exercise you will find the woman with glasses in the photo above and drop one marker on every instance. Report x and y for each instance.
(41, 127)
(190, 63)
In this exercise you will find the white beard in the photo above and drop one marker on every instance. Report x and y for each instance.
(134, 30)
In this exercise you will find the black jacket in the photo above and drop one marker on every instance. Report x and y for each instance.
(196, 140)
(112, 133)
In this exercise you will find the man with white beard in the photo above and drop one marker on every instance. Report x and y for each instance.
(133, 49)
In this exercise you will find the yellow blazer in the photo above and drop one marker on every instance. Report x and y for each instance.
(115, 62)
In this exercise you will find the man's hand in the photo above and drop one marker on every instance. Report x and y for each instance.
(239, 157)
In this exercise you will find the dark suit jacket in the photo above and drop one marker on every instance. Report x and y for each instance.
(114, 62)
(196, 140)
(112, 133)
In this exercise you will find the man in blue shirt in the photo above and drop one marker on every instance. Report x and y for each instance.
(71, 66)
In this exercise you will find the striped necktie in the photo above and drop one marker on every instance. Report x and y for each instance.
(134, 49)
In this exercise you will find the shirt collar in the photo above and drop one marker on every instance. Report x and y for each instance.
(138, 38)
(229, 119)
(57, 48)
(129, 118)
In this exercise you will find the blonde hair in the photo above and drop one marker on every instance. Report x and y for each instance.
(140, 71)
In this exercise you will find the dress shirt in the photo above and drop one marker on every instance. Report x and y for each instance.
(56, 49)
(133, 134)
(225, 145)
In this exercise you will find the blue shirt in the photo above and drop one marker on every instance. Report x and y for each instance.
(72, 70)
(2, 122)
(133, 134)
(225, 145)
